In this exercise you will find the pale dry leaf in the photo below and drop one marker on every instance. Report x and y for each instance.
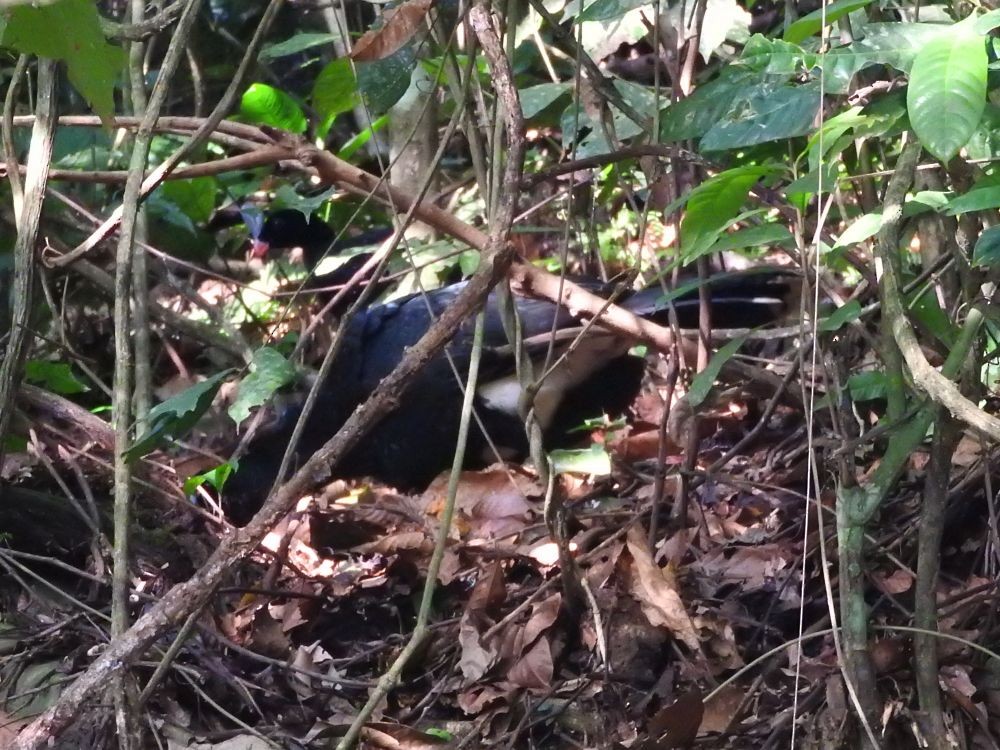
(656, 591)
(533, 671)
(477, 657)
(898, 582)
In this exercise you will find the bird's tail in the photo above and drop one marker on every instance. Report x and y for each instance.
(740, 299)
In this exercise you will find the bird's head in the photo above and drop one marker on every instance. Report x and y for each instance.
(287, 229)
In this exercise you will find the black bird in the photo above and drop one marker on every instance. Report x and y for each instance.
(417, 441)
(288, 229)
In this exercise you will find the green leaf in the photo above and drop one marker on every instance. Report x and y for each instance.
(983, 195)
(863, 228)
(701, 384)
(987, 22)
(536, 98)
(987, 249)
(609, 10)
(215, 477)
(70, 30)
(57, 377)
(267, 105)
(587, 137)
(811, 23)
(593, 460)
(809, 183)
(269, 371)
(924, 307)
(175, 416)
(776, 57)
(694, 115)
(287, 197)
(194, 196)
(712, 204)
(335, 90)
(870, 385)
(841, 316)
(358, 142)
(926, 200)
(765, 113)
(895, 44)
(765, 234)
(947, 92)
(296, 44)
(383, 82)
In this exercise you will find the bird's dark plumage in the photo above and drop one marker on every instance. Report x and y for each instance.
(417, 441)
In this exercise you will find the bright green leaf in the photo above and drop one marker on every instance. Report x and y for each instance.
(269, 371)
(947, 92)
(70, 30)
(759, 236)
(215, 477)
(712, 204)
(335, 90)
(863, 228)
(175, 416)
(57, 377)
(267, 105)
(811, 23)
(593, 460)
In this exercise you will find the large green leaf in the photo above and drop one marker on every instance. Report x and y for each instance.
(759, 236)
(947, 91)
(983, 195)
(175, 416)
(987, 250)
(763, 114)
(712, 204)
(335, 90)
(536, 98)
(270, 106)
(383, 82)
(269, 371)
(70, 30)
(776, 57)
(693, 116)
(811, 23)
(895, 44)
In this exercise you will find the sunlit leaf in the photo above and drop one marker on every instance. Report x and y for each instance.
(947, 91)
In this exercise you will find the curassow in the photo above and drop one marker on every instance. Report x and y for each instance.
(416, 442)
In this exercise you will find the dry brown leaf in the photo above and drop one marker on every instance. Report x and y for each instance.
(897, 582)
(491, 504)
(533, 671)
(399, 28)
(403, 540)
(400, 737)
(676, 725)
(720, 711)
(477, 656)
(490, 590)
(656, 591)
